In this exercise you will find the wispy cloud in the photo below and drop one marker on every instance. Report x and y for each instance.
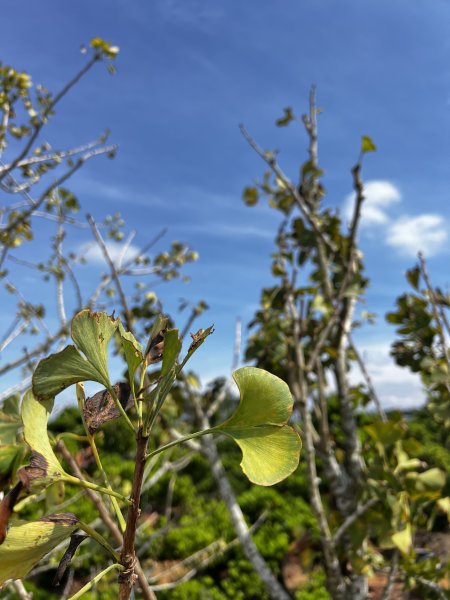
(378, 196)
(397, 387)
(231, 231)
(427, 233)
(93, 254)
(198, 14)
(405, 233)
(116, 193)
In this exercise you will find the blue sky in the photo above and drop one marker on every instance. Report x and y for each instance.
(189, 71)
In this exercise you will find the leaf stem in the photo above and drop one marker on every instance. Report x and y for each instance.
(121, 409)
(93, 486)
(98, 538)
(97, 578)
(186, 438)
(81, 399)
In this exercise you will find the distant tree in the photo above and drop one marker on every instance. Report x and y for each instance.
(365, 484)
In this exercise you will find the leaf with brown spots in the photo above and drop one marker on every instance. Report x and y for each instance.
(101, 408)
(27, 543)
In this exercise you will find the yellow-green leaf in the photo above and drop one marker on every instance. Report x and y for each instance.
(250, 196)
(403, 539)
(132, 351)
(270, 448)
(172, 347)
(444, 505)
(44, 468)
(91, 333)
(61, 370)
(27, 543)
(367, 144)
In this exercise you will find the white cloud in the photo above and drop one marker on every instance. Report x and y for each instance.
(93, 254)
(406, 234)
(425, 232)
(397, 387)
(378, 196)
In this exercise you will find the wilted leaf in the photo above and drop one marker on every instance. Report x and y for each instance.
(101, 408)
(44, 468)
(154, 350)
(27, 543)
(270, 448)
(6, 508)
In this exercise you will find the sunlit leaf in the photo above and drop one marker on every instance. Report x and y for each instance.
(367, 144)
(27, 543)
(444, 505)
(172, 347)
(61, 370)
(270, 448)
(91, 333)
(433, 479)
(44, 468)
(132, 351)
(403, 539)
(250, 196)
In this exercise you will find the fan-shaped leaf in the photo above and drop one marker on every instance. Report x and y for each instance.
(270, 448)
(27, 543)
(91, 333)
(57, 372)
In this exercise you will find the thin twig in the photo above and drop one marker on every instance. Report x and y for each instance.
(114, 274)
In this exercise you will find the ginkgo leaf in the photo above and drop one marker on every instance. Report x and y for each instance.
(61, 370)
(172, 347)
(91, 333)
(270, 448)
(132, 351)
(44, 468)
(27, 543)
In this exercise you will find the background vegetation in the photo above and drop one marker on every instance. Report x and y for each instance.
(367, 510)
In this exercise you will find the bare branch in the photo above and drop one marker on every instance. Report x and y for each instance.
(114, 273)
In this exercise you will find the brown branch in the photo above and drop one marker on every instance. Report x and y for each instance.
(105, 517)
(128, 555)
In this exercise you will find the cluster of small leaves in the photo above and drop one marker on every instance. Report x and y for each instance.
(258, 425)
(297, 248)
(410, 492)
(422, 347)
(24, 110)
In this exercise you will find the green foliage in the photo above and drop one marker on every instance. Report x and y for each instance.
(422, 329)
(315, 589)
